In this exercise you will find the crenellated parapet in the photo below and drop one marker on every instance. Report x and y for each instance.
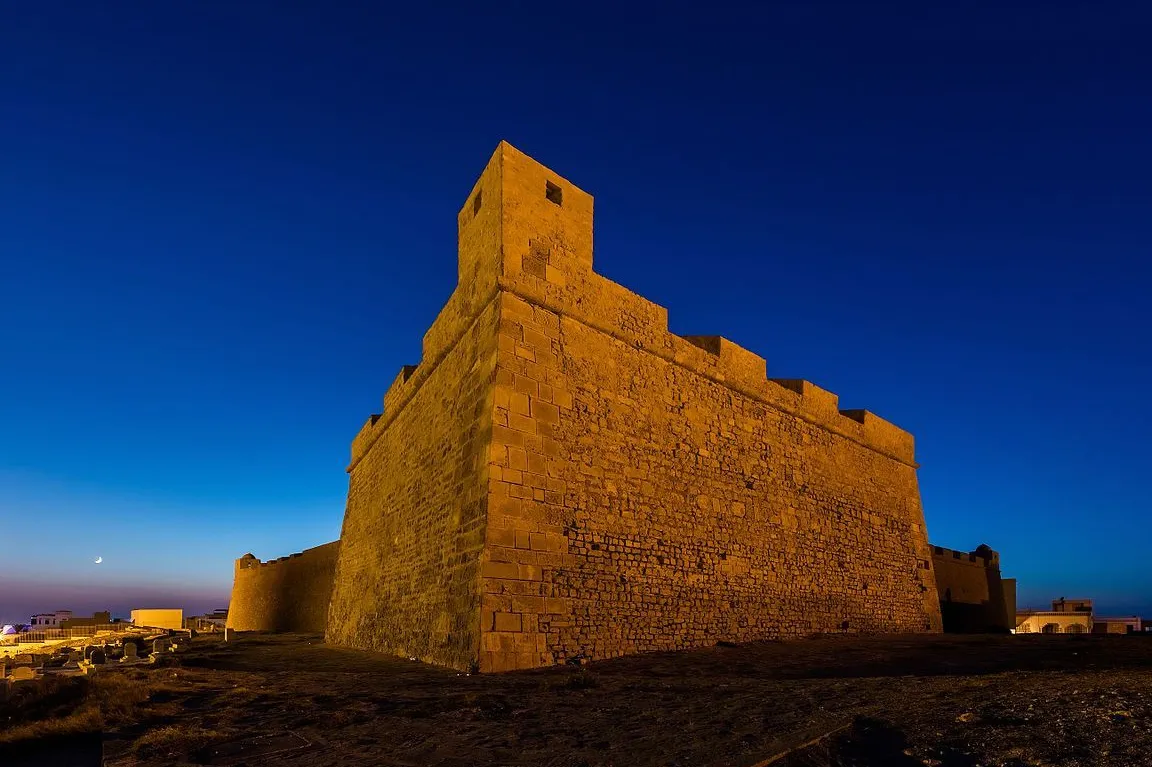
(552, 266)
(973, 595)
(982, 556)
(289, 593)
(249, 561)
(527, 231)
(612, 309)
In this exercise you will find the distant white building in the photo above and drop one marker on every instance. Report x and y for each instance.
(50, 620)
(1067, 616)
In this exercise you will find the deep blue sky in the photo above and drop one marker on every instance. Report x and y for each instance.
(224, 226)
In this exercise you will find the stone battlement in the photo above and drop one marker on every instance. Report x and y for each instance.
(973, 595)
(249, 560)
(984, 557)
(290, 593)
(538, 248)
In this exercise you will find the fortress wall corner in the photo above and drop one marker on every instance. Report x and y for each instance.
(407, 581)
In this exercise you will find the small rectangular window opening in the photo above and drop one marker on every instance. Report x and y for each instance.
(476, 203)
(553, 193)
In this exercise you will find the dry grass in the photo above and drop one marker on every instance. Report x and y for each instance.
(83, 719)
(174, 739)
(239, 696)
(44, 708)
(71, 705)
(118, 698)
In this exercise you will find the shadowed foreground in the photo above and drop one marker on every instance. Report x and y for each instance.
(909, 700)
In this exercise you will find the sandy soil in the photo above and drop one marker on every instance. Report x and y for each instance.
(944, 700)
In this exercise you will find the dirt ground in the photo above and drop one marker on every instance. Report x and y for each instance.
(845, 700)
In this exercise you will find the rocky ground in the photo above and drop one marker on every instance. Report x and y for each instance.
(846, 700)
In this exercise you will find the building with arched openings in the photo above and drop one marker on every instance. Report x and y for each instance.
(1051, 622)
(1067, 616)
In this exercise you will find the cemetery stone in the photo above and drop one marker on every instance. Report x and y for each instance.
(23, 674)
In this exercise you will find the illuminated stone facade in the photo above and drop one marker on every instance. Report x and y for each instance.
(1052, 622)
(1067, 616)
(561, 478)
(291, 593)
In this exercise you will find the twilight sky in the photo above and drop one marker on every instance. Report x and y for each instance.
(224, 227)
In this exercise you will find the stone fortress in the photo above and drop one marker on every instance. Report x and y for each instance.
(561, 478)
(973, 595)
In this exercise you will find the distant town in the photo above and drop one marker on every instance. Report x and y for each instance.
(1076, 616)
(1066, 616)
(62, 626)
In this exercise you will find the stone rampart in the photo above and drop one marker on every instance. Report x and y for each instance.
(408, 576)
(287, 594)
(973, 595)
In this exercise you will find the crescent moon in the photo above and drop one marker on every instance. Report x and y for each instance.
(99, 560)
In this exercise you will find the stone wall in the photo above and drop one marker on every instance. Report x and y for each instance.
(1129, 625)
(973, 595)
(1009, 590)
(287, 594)
(408, 577)
(96, 619)
(652, 492)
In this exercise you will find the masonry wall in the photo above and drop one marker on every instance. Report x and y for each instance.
(1116, 625)
(650, 491)
(96, 619)
(287, 594)
(1009, 585)
(973, 596)
(409, 572)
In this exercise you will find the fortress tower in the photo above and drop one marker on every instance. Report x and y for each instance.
(561, 477)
